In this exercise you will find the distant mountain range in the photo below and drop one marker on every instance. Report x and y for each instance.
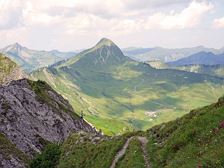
(165, 54)
(213, 70)
(201, 58)
(30, 60)
(117, 93)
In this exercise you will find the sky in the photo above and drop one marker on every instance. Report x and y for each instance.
(70, 25)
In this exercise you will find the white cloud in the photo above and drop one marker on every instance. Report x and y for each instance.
(54, 20)
(187, 18)
(10, 12)
(219, 23)
(34, 12)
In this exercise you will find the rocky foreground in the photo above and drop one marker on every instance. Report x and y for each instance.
(32, 114)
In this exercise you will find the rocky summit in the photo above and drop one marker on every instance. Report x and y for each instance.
(32, 114)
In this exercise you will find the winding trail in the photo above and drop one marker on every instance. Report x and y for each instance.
(144, 142)
(121, 152)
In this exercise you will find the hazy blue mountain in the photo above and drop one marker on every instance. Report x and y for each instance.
(165, 54)
(30, 60)
(201, 58)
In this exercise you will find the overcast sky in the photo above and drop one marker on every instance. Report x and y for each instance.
(77, 24)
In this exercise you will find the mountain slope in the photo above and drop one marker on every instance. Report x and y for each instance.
(9, 71)
(117, 94)
(214, 70)
(32, 115)
(157, 64)
(194, 140)
(32, 59)
(101, 57)
(205, 58)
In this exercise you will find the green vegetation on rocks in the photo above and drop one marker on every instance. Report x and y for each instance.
(42, 90)
(48, 158)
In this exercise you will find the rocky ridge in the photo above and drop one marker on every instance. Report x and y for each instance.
(33, 114)
(9, 71)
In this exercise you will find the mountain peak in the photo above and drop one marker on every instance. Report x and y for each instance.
(105, 52)
(17, 45)
(105, 42)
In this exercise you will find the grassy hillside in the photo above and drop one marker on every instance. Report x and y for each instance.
(9, 71)
(118, 94)
(133, 156)
(82, 152)
(194, 140)
(6, 67)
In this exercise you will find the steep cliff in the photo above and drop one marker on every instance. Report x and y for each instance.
(32, 114)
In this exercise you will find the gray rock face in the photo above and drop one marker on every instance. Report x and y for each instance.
(29, 122)
(11, 162)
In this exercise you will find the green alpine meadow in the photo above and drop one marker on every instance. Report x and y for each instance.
(117, 94)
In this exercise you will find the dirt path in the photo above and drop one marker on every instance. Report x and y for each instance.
(144, 142)
(121, 153)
